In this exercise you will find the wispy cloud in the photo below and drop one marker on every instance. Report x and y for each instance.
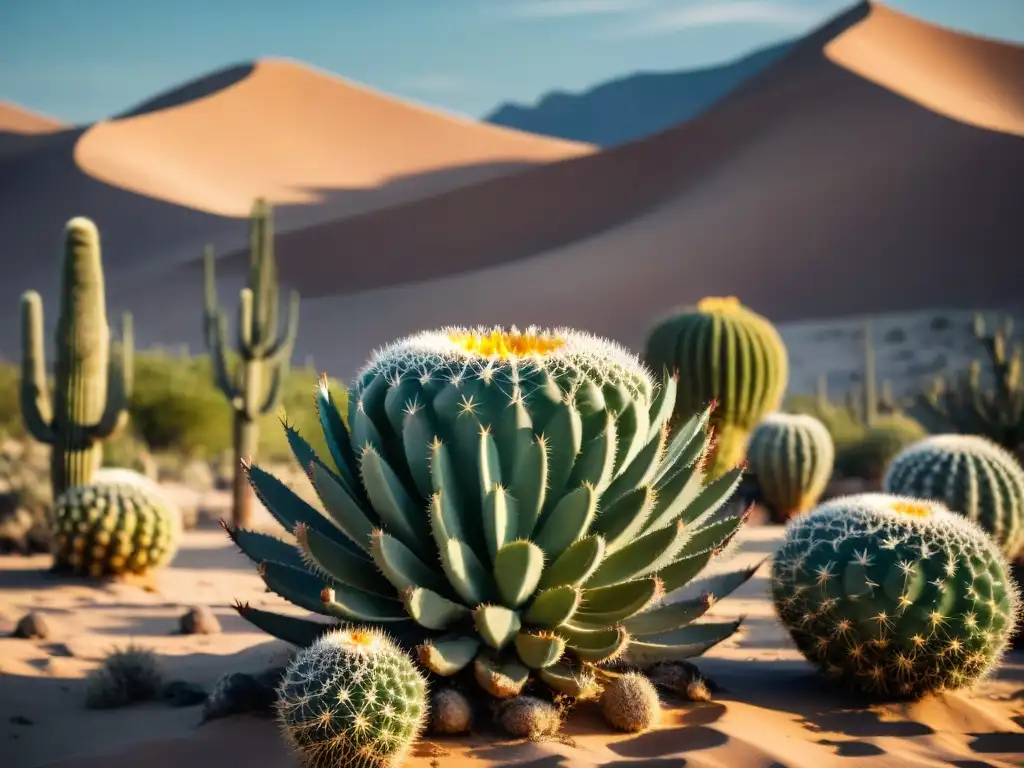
(548, 9)
(713, 14)
(436, 83)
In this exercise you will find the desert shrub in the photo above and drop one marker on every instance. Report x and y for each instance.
(10, 412)
(127, 676)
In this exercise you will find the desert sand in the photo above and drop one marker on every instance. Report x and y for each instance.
(14, 119)
(772, 709)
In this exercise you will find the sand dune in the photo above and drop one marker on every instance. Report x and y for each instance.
(292, 133)
(15, 119)
(977, 81)
(772, 709)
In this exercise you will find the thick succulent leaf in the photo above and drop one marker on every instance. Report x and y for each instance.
(568, 522)
(337, 437)
(517, 570)
(663, 405)
(432, 610)
(402, 397)
(646, 555)
(488, 463)
(289, 509)
(684, 569)
(572, 681)
(608, 606)
(514, 421)
(622, 520)
(419, 431)
(687, 643)
(337, 564)
(296, 585)
(500, 519)
(260, 547)
(502, 679)
(553, 606)
(363, 430)
(594, 645)
(563, 438)
(459, 522)
(687, 443)
(292, 629)
(402, 567)
(538, 650)
(353, 605)
(632, 426)
(401, 516)
(712, 497)
(714, 535)
(576, 564)
(676, 615)
(529, 481)
(595, 465)
(342, 508)
(466, 574)
(446, 656)
(674, 495)
(639, 472)
(496, 624)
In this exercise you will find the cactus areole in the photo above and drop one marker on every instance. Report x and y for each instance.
(510, 504)
(92, 383)
(253, 385)
(727, 353)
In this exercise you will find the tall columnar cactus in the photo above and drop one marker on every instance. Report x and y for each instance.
(462, 502)
(896, 597)
(352, 698)
(253, 385)
(970, 475)
(970, 406)
(792, 456)
(92, 382)
(726, 353)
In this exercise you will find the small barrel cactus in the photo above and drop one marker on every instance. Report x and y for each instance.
(729, 354)
(868, 457)
(792, 456)
(110, 529)
(353, 698)
(630, 703)
(897, 597)
(970, 475)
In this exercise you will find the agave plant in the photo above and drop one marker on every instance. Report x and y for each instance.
(508, 503)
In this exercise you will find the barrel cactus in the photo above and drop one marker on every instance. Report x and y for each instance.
(792, 457)
(897, 597)
(111, 529)
(353, 698)
(869, 457)
(462, 500)
(725, 353)
(969, 474)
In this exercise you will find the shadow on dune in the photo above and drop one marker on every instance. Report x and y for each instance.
(195, 89)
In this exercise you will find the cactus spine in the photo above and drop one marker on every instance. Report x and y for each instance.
(970, 475)
(92, 383)
(896, 597)
(792, 456)
(253, 387)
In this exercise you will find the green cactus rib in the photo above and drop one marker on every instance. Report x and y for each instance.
(893, 596)
(732, 356)
(971, 475)
(968, 406)
(524, 516)
(92, 382)
(254, 386)
(792, 456)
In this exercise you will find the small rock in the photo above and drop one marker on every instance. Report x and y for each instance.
(180, 693)
(20, 720)
(200, 620)
(238, 692)
(33, 626)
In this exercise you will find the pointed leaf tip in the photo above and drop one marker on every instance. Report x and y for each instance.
(326, 595)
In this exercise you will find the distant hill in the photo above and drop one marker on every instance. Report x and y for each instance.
(635, 106)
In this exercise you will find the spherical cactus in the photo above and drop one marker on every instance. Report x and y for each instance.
(896, 597)
(726, 353)
(970, 475)
(868, 457)
(352, 698)
(110, 529)
(792, 456)
(450, 712)
(630, 703)
(529, 717)
(514, 504)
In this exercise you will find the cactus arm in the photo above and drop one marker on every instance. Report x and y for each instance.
(282, 350)
(223, 377)
(246, 347)
(36, 404)
(275, 389)
(115, 411)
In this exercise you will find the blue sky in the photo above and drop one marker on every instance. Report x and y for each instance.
(82, 60)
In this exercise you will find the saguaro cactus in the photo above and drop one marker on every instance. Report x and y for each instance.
(253, 384)
(89, 402)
